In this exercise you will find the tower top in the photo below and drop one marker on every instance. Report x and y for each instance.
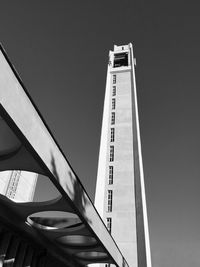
(120, 57)
(121, 48)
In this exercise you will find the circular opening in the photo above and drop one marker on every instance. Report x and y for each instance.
(77, 240)
(18, 186)
(24, 186)
(87, 255)
(52, 220)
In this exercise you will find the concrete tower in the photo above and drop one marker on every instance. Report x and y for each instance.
(120, 191)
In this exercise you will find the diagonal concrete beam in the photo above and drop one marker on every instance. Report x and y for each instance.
(35, 149)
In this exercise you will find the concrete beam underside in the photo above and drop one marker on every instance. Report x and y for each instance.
(29, 145)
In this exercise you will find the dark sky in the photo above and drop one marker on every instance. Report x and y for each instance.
(60, 49)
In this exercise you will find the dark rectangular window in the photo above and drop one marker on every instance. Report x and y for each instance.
(110, 196)
(113, 103)
(112, 134)
(114, 78)
(110, 180)
(114, 90)
(113, 118)
(111, 153)
(109, 224)
(120, 60)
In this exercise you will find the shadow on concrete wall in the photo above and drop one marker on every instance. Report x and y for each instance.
(77, 192)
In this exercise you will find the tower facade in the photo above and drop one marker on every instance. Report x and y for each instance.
(120, 192)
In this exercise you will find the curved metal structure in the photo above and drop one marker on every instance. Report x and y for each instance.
(68, 227)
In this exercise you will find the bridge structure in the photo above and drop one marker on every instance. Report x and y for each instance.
(64, 231)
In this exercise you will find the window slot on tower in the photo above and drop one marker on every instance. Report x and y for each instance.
(114, 78)
(113, 118)
(111, 153)
(114, 91)
(113, 103)
(109, 200)
(120, 60)
(112, 134)
(109, 224)
(110, 180)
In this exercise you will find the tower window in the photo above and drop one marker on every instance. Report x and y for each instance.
(109, 200)
(114, 78)
(113, 103)
(114, 90)
(109, 224)
(120, 60)
(111, 153)
(113, 118)
(110, 180)
(112, 134)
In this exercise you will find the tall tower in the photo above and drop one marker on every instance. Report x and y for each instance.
(120, 192)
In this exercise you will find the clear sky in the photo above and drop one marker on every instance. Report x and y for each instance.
(60, 49)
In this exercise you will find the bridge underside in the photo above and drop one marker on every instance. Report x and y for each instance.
(64, 230)
(16, 249)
